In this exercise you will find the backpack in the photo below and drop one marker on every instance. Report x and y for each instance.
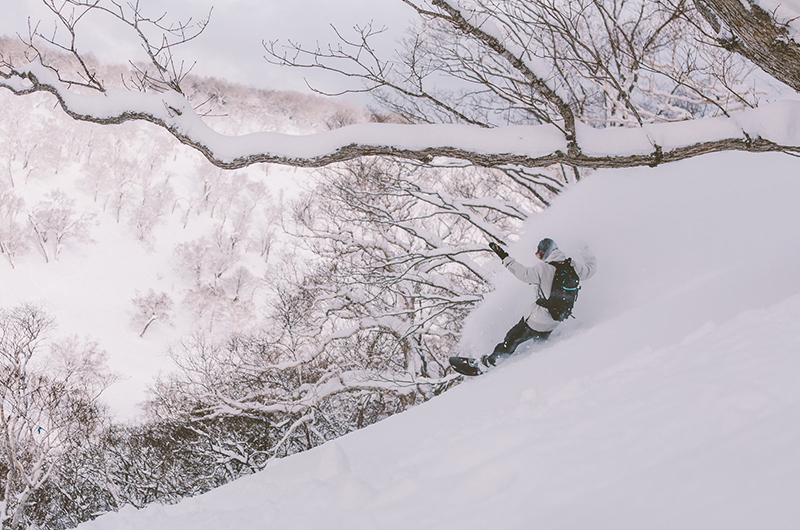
(564, 291)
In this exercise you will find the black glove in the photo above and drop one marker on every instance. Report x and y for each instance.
(497, 250)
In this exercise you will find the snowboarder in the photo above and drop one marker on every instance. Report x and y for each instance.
(556, 279)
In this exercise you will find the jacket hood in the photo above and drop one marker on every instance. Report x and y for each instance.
(556, 255)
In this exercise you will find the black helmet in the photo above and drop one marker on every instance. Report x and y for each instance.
(546, 246)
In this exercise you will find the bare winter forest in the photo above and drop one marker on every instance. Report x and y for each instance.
(298, 316)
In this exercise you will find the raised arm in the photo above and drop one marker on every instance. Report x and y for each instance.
(586, 266)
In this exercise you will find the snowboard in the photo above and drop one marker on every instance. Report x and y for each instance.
(468, 366)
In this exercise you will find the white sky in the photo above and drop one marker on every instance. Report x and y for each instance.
(231, 46)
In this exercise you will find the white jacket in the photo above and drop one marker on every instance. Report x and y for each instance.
(541, 276)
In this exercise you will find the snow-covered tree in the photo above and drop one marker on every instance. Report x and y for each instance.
(47, 402)
(54, 220)
(361, 319)
(562, 68)
(19, 148)
(298, 406)
(12, 240)
(150, 307)
(399, 264)
(154, 196)
(764, 35)
(224, 289)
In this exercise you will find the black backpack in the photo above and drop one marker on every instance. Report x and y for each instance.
(564, 292)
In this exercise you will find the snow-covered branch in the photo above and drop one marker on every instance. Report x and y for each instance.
(521, 146)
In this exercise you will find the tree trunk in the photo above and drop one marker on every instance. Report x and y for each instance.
(756, 36)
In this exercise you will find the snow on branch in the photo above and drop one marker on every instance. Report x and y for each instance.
(556, 74)
(759, 130)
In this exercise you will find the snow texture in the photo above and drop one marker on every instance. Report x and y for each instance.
(671, 401)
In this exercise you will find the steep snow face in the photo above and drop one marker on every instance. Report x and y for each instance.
(671, 401)
(691, 242)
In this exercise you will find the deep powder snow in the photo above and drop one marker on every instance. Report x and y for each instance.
(671, 401)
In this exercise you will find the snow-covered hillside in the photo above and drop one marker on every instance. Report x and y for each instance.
(671, 401)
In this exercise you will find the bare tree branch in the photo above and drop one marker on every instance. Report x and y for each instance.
(601, 78)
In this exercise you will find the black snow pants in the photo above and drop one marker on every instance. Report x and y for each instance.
(521, 332)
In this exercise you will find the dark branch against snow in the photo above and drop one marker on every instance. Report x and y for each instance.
(769, 128)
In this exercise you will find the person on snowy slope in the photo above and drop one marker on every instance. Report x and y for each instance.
(542, 318)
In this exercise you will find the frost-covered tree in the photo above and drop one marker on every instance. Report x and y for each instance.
(54, 220)
(17, 150)
(12, 239)
(150, 307)
(119, 169)
(561, 62)
(163, 461)
(154, 196)
(298, 406)
(223, 289)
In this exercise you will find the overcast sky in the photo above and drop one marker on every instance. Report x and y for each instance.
(231, 46)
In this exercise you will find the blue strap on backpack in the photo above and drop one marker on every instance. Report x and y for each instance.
(564, 291)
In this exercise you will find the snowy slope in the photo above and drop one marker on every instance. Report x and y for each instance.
(672, 401)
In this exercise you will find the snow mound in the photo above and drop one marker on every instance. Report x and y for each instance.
(671, 401)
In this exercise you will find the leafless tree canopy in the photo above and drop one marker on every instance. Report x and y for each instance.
(561, 64)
